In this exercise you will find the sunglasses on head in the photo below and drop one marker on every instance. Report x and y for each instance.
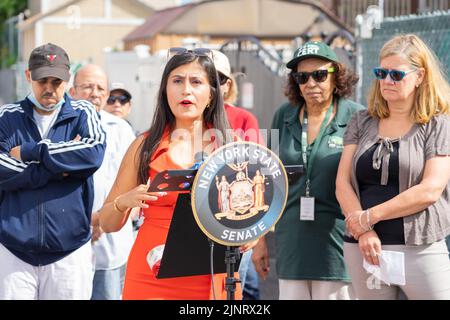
(122, 99)
(222, 78)
(317, 75)
(199, 52)
(396, 75)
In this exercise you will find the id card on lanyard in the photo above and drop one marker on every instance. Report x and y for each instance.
(307, 201)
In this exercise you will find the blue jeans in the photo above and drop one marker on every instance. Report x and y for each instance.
(249, 277)
(108, 284)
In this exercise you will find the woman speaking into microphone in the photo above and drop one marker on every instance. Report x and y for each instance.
(189, 102)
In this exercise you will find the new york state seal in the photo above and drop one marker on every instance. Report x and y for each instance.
(239, 193)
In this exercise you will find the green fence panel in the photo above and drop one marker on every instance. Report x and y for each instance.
(433, 28)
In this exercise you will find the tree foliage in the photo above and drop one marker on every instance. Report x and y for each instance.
(8, 9)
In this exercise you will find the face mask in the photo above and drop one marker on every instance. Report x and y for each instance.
(33, 99)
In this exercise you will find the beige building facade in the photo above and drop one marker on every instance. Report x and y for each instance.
(84, 28)
(214, 22)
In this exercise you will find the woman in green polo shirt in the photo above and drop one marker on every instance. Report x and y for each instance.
(309, 235)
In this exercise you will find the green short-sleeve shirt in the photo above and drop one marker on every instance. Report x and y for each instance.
(312, 250)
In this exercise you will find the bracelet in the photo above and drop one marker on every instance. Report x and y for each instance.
(359, 219)
(116, 207)
(369, 224)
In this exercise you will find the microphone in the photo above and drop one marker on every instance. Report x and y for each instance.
(199, 157)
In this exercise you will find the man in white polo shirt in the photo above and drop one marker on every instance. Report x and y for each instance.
(111, 249)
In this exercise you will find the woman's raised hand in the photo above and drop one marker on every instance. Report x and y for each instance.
(137, 197)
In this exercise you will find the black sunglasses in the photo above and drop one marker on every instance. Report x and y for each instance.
(396, 75)
(317, 75)
(200, 52)
(122, 99)
(222, 78)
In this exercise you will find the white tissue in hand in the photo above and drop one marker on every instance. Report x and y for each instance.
(391, 269)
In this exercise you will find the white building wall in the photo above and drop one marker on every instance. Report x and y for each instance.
(141, 76)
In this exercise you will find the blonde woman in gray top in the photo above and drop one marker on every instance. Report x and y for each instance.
(393, 177)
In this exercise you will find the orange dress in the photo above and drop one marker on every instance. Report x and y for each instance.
(140, 282)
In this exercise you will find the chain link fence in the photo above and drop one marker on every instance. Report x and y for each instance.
(433, 28)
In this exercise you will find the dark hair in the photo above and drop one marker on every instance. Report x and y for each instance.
(344, 80)
(214, 116)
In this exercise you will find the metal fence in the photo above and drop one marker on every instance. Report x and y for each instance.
(262, 77)
(347, 10)
(433, 28)
(10, 41)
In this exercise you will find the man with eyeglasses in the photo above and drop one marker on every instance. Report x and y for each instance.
(111, 249)
(119, 101)
(119, 104)
(50, 146)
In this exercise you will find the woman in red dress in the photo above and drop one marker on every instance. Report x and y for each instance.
(189, 103)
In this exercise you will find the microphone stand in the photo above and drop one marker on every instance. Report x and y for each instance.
(231, 256)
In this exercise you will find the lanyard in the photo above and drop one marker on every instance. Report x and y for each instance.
(306, 162)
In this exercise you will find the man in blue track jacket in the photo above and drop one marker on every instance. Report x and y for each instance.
(50, 146)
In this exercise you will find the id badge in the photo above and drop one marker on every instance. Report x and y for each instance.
(307, 208)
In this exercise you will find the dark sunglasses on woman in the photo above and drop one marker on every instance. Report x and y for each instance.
(222, 78)
(396, 75)
(200, 52)
(317, 75)
(122, 99)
